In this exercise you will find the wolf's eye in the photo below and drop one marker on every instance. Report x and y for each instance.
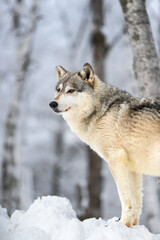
(58, 90)
(71, 91)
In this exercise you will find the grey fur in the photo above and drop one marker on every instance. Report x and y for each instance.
(75, 81)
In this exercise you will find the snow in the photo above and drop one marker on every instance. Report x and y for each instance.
(53, 218)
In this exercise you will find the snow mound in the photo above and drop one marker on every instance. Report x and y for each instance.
(52, 218)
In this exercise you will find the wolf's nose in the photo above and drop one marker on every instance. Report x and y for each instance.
(53, 104)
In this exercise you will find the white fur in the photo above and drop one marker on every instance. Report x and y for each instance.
(66, 101)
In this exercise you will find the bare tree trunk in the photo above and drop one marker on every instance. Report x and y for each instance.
(10, 184)
(101, 49)
(146, 65)
(55, 188)
(147, 72)
(95, 162)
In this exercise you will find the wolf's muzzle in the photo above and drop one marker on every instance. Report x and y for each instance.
(53, 104)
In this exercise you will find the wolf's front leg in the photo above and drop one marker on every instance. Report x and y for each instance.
(136, 182)
(121, 174)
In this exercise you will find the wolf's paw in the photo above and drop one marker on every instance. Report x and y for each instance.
(127, 222)
(135, 221)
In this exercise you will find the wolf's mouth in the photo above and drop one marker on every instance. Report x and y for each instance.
(58, 112)
(67, 109)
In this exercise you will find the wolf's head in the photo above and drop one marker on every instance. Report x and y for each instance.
(74, 91)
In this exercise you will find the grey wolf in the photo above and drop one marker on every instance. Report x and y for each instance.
(122, 129)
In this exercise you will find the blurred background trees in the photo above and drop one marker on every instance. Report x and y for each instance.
(39, 155)
(23, 40)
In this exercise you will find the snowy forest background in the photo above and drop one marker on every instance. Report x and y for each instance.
(46, 157)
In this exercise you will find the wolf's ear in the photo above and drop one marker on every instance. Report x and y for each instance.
(60, 71)
(87, 73)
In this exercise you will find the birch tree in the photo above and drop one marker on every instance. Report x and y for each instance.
(145, 60)
(24, 43)
(147, 73)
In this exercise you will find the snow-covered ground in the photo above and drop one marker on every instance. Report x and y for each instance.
(52, 218)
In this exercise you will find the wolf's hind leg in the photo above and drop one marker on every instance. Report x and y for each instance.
(122, 177)
(136, 182)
